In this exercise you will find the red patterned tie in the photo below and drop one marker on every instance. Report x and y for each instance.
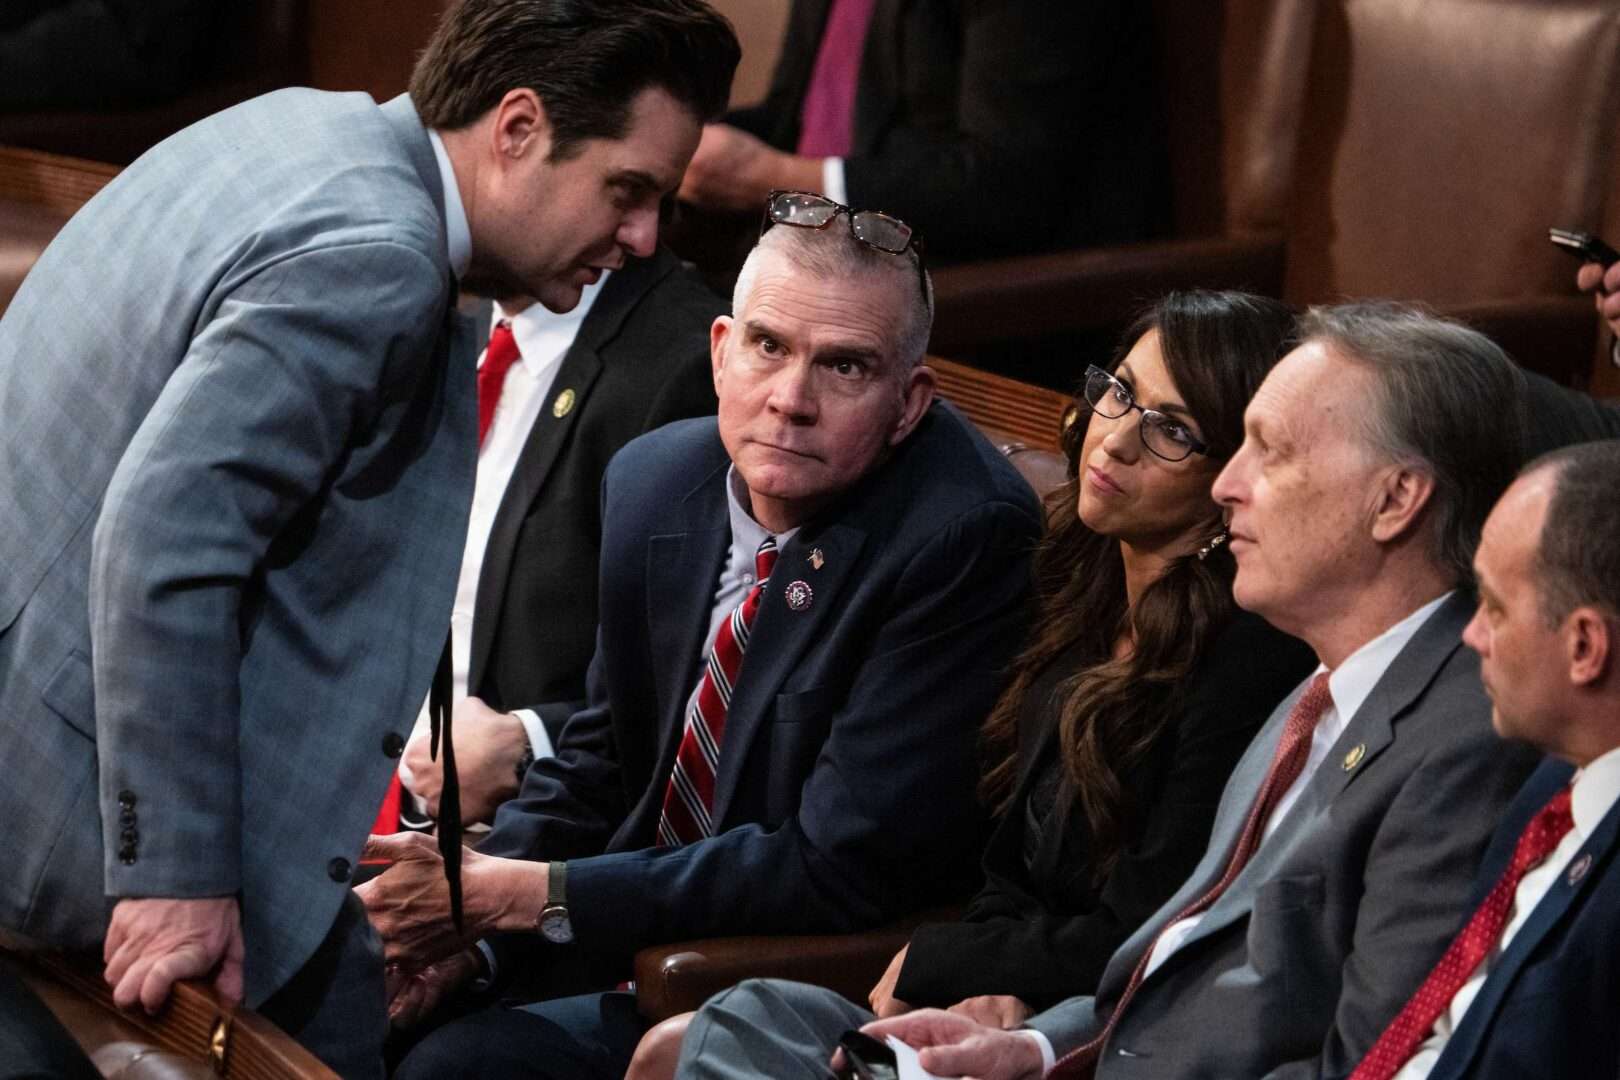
(1401, 1039)
(1293, 749)
(689, 799)
(498, 360)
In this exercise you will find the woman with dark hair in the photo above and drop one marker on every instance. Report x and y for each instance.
(1139, 690)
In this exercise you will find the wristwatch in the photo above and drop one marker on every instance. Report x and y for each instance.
(553, 923)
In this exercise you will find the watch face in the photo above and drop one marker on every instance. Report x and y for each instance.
(555, 927)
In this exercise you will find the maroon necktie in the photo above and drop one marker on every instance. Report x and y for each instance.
(827, 120)
(1401, 1039)
(1287, 762)
(498, 360)
(689, 799)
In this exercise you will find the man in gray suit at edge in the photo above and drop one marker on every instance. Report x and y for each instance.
(1345, 844)
(237, 466)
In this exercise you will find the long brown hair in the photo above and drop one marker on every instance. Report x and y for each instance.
(1217, 348)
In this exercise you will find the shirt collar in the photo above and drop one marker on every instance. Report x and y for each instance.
(1596, 788)
(1354, 679)
(458, 237)
(538, 330)
(746, 533)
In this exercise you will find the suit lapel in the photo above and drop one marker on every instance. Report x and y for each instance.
(780, 636)
(579, 371)
(1558, 904)
(1363, 740)
(682, 568)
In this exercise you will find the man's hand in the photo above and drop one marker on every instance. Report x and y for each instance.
(153, 942)
(1592, 278)
(413, 997)
(994, 1010)
(489, 745)
(732, 170)
(882, 998)
(953, 1045)
(409, 903)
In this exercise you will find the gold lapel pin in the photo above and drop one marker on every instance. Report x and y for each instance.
(564, 403)
(817, 559)
(1353, 758)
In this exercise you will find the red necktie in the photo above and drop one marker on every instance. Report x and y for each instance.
(498, 360)
(689, 799)
(1413, 1023)
(1293, 749)
(827, 118)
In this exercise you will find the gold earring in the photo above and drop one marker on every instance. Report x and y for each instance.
(1214, 542)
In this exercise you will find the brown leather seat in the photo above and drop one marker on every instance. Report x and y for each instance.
(1413, 149)
(194, 1037)
(38, 193)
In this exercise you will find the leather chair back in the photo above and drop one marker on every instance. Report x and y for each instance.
(1442, 137)
(1234, 74)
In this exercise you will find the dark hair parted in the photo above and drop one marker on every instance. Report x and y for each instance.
(1577, 559)
(1447, 400)
(586, 59)
(1217, 348)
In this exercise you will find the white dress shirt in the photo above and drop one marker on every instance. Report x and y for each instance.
(543, 338)
(1593, 792)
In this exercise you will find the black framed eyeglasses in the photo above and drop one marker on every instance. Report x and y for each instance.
(1164, 436)
(877, 230)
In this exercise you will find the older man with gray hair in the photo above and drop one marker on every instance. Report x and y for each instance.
(806, 603)
(1345, 843)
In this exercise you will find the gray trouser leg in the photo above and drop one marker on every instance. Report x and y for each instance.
(767, 1027)
(335, 1004)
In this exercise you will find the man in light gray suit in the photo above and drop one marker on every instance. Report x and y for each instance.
(1345, 844)
(236, 471)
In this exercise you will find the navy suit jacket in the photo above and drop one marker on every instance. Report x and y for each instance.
(1549, 1008)
(845, 794)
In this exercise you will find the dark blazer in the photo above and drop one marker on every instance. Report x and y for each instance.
(1295, 970)
(639, 361)
(1549, 1006)
(848, 767)
(992, 127)
(1042, 934)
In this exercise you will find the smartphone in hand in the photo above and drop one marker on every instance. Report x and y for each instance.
(868, 1059)
(1584, 246)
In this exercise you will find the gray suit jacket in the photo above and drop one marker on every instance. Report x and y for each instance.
(1344, 909)
(237, 465)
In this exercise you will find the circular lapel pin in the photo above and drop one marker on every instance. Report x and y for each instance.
(1353, 758)
(564, 403)
(1579, 867)
(798, 595)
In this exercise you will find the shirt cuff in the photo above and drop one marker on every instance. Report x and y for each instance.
(1048, 1055)
(539, 741)
(832, 180)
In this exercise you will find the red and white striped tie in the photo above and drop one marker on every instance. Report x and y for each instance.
(689, 799)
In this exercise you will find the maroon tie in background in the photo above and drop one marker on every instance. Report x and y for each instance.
(827, 120)
(498, 360)
(1287, 762)
(689, 799)
(1413, 1023)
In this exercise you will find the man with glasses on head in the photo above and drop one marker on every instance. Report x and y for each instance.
(805, 606)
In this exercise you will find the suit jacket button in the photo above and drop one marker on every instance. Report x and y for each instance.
(126, 818)
(129, 836)
(126, 799)
(393, 744)
(338, 869)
